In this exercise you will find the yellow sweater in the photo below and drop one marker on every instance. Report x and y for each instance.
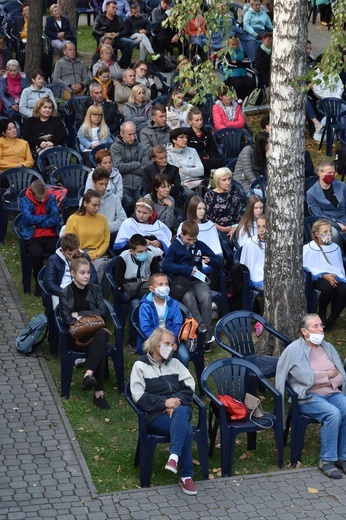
(93, 233)
(14, 153)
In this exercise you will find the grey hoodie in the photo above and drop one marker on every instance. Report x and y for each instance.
(112, 209)
(115, 183)
(189, 160)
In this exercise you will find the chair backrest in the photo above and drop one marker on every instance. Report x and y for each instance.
(74, 103)
(59, 89)
(230, 142)
(341, 119)
(161, 100)
(73, 177)
(8, 7)
(53, 158)
(342, 137)
(259, 184)
(18, 179)
(331, 107)
(96, 149)
(240, 189)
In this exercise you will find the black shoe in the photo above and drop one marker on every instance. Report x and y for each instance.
(37, 291)
(207, 347)
(89, 382)
(101, 402)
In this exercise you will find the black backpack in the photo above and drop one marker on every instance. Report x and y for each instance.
(164, 64)
(234, 285)
(340, 161)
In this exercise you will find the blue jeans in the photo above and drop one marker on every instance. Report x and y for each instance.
(180, 432)
(331, 411)
(183, 354)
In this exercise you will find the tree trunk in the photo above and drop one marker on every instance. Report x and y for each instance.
(33, 50)
(283, 273)
(68, 9)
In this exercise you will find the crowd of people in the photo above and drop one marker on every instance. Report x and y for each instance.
(163, 201)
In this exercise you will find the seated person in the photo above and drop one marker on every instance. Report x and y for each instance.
(14, 152)
(156, 132)
(165, 35)
(34, 93)
(247, 226)
(256, 21)
(71, 72)
(58, 273)
(58, 28)
(138, 28)
(144, 223)
(327, 197)
(263, 59)
(143, 77)
(184, 258)
(202, 141)
(196, 30)
(159, 164)
(177, 110)
(190, 166)
(314, 370)
(12, 84)
(82, 298)
(253, 253)
(105, 40)
(158, 309)
(234, 66)
(93, 131)
(252, 161)
(92, 230)
(323, 258)
(164, 388)
(122, 90)
(110, 205)
(103, 160)
(39, 225)
(5, 54)
(44, 129)
(227, 112)
(325, 10)
(183, 65)
(163, 203)
(136, 264)
(137, 109)
(103, 77)
(106, 54)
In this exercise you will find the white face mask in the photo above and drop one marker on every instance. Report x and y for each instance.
(165, 351)
(162, 292)
(316, 338)
(326, 238)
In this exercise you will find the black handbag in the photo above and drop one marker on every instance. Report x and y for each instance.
(136, 289)
(179, 287)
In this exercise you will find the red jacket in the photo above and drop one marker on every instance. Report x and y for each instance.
(220, 119)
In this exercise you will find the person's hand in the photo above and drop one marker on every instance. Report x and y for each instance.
(74, 315)
(175, 38)
(155, 243)
(206, 259)
(343, 227)
(61, 35)
(167, 202)
(181, 169)
(111, 35)
(15, 107)
(77, 87)
(169, 412)
(230, 233)
(331, 279)
(172, 403)
(332, 372)
(142, 31)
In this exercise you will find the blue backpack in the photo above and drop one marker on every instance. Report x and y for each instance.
(28, 340)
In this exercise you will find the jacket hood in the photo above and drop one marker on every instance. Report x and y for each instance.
(158, 128)
(176, 150)
(32, 199)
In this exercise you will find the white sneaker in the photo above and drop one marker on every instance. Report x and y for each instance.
(79, 362)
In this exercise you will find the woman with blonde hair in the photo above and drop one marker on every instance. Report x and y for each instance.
(137, 109)
(94, 130)
(44, 129)
(106, 53)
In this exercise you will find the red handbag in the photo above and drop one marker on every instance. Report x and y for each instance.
(236, 410)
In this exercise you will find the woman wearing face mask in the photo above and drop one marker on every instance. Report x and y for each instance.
(136, 264)
(323, 258)
(164, 388)
(314, 370)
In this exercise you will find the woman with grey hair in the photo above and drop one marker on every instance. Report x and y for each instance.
(163, 388)
(12, 83)
(314, 370)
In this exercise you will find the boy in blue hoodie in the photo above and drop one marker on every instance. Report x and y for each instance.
(184, 257)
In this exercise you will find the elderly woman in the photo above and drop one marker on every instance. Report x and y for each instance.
(44, 130)
(106, 53)
(226, 112)
(314, 370)
(224, 204)
(32, 94)
(12, 84)
(58, 28)
(14, 152)
(164, 388)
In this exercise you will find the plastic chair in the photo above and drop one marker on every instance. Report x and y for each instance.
(197, 357)
(298, 423)
(236, 377)
(84, 7)
(73, 177)
(161, 100)
(331, 108)
(237, 329)
(59, 89)
(313, 11)
(230, 142)
(119, 304)
(53, 158)
(16, 179)
(259, 184)
(147, 441)
(53, 332)
(68, 357)
(342, 137)
(341, 119)
(240, 189)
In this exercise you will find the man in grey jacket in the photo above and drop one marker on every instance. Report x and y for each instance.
(130, 157)
(157, 132)
(70, 71)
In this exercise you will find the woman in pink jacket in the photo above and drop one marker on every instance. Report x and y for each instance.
(227, 112)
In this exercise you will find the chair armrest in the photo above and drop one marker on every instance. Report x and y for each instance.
(227, 348)
(278, 334)
(113, 316)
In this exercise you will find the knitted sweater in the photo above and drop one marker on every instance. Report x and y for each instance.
(93, 233)
(14, 153)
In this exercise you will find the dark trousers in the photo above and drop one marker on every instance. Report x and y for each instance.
(37, 248)
(335, 296)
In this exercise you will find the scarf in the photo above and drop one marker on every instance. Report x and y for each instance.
(14, 87)
(265, 49)
(229, 111)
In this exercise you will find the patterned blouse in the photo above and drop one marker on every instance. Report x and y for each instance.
(224, 209)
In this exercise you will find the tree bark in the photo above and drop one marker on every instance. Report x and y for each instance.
(33, 49)
(68, 9)
(283, 272)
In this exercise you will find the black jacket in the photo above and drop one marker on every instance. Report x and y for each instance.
(103, 25)
(171, 171)
(94, 297)
(52, 29)
(134, 25)
(204, 145)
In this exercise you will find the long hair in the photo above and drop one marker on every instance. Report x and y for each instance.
(160, 180)
(86, 126)
(246, 222)
(177, 90)
(39, 105)
(191, 212)
(88, 195)
(259, 156)
(135, 90)
(315, 229)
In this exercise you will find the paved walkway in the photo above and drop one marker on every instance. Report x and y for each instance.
(43, 473)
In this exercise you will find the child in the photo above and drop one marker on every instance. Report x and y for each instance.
(39, 225)
(247, 226)
(158, 309)
(253, 254)
(184, 257)
(110, 205)
(57, 274)
(143, 222)
(134, 264)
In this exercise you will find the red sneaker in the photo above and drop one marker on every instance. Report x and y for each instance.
(188, 487)
(172, 465)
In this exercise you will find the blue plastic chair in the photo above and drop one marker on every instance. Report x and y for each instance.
(312, 295)
(236, 377)
(147, 441)
(119, 304)
(234, 333)
(230, 142)
(331, 108)
(342, 136)
(241, 190)
(85, 7)
(16, 179)
(73, 177)
(68, 357)
(53, 158)
(53, 332)
(341, 120)
(259, 184)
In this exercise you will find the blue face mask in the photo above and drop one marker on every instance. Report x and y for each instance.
(141, 256)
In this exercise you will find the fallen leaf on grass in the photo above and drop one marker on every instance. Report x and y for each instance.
(216, 470)
(116, 448)
(299, 464)
(107, 420)
(246, 455)
(236, 473)
(87, 411)
(196, 462)
(96, 457)
(211, 476)
(312, 490)
(119, 470)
